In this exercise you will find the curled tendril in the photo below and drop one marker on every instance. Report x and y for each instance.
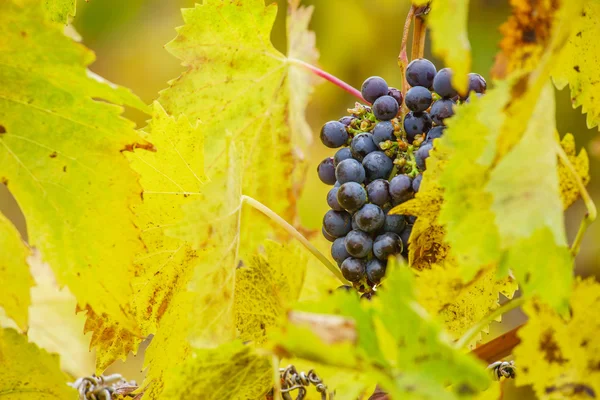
(104, 387)
(502, 369)
(292, 380)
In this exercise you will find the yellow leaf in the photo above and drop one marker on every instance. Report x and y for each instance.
(560, 357)
(61, 157)
(579, 61)
(318, 281)
(231, 371)
(60, 10)
(14, 274)
(447, 22)
(569, 191)
(265, 287)
(29, 372)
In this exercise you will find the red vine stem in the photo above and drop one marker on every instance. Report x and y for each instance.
(403, 57)
(333, 79)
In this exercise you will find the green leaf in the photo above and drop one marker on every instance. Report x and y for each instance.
(28, 372)
(231, 371)
(578, 64)
(14, 273)
(61, 157)
(60, 10)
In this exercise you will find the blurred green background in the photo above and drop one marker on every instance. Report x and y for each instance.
(356, 39)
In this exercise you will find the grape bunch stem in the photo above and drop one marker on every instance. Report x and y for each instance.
(294, 233)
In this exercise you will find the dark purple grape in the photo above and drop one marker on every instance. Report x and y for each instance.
(422, 154)
(351, 196)
(337, 223)
(383, 131)
(415, 124)
(347, 120)
(361, 145)
(416, 184)
(442, 109)
(410, 219)
(420, 72)
(476, 83)
(358, 243)
(405, 236)
(326, 171)
(332, 199)
(327, 235)
(401, 189)
(394, 223)
(385, 108)
(377, 166)
(354, 224)
(378, 192)
(376, 269)
(353, 269)
(396, 94)
(386, 245)
(442, 84)
(373, 88)
(333, 134)
(418, 99)
(370, 218)
(350, 170)
(435, 133)
(338, 250)
(342, 154)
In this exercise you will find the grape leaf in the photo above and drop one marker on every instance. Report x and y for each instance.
(60, 152)
(559, 357)
(60, 10)
(318, 281)
(29, 372)
(569, 190)
(265, 287)
(14, 297)
(578, 63)
(231, 371)
(447, 22)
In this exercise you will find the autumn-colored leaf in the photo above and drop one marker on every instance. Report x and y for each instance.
(60, 10)
(569, 190)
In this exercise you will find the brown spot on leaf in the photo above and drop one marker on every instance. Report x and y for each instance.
(23, 33)
(549, 347)
(576, 68)
(4, 181)
(64, 168)
(53, 154)
(132, 146)
(2, 129)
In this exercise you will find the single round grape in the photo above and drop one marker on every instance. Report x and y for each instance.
(342, 154)
(396, 94)
(476, 83)
(351, 196)
(420, 72)
(418, 99)
(338, 250)
(347, 120)
(442, 109)
(353, 269)
(377, 165)
(401, 188)
(350, 170)
(333, 134)
(378, 192)
(373, 88)
(332, 199)
(415, 124)
(385, 108)
(405, 236)
(435, 133)
(386, 245)
(361, 145)
(358, 243)
(442, 84)
(326, 171)
(370, 218)
(416, 184)
(422, 154)
(375, 270)
(327, 235)
(394, 223)
(337, 223)
(383, 131)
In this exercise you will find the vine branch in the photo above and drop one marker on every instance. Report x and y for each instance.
(469, 335)
(418, 42)
(592, 213)
(331, 78)
(403, 57)
(294, 233)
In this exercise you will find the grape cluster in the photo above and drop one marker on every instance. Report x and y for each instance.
(382, 153)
